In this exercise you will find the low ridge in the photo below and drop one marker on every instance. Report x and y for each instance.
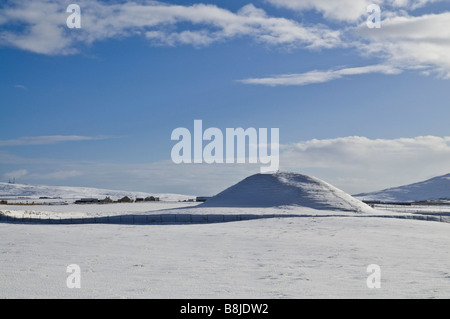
(436, 188)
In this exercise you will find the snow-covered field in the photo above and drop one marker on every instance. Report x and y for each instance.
(303, 257)
(90, 210)
(318, 245)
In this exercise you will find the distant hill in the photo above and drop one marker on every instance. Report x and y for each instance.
(286, 189)
(65, 192)
(433, 189)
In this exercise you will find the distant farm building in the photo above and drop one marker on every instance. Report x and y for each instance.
(202, 198)
(87, 201)
(107, 200)
(125, 199)
(139, 200)
(151, 199)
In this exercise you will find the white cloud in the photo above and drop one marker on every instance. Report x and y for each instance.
(348, 10)
(358, 164)
(48, 174)
(345, 10)
(316, 76)
(44, 31)
(45, 140)
(54, 175)
(411, 42)
(40, 24)
(14, 174)
(404, 42)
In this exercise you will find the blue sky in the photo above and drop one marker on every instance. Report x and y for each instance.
(360, 108)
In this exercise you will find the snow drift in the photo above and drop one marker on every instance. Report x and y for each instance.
(286, 189)
(432, 189)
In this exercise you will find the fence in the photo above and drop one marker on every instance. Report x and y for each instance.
(168, 219)
(139, 219)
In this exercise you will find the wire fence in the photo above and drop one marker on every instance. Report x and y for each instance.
(137, 219)
(192, 218)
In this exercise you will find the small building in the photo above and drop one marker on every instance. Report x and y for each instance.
(87, 201)
(3, 202)
(139, 199)
(151, 199)
(107, 200)
(202, 198)
(125, 199)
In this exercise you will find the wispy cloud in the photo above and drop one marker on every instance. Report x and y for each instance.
(316, 76)
(404, 42)
(45, 140)
(41, 176)
(14, 174)
(343, 10)
(55, 175)
(348, 10)
(20, 86)
(410, 42)
(43, 25)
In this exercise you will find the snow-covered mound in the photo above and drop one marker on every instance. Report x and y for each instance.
(65, 192)
(433, 189)
(286, 189)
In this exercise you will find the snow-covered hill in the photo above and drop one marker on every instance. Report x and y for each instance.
(286, 189)
(433, 189)
(65, 192)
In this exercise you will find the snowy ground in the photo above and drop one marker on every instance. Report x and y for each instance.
(302, 257)
(90, 210)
